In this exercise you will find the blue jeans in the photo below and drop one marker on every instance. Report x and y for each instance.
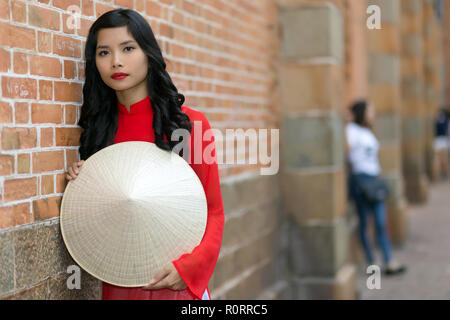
(363, 209)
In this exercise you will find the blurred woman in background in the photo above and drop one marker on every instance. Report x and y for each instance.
(366, 187)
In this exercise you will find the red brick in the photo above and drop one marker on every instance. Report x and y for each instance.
(43, 18)
(81, 75)
(83, 31)
(6, 115)
(87, 7)
(165, 30)
(23, 163)
(190, 7)
(68, 91)
(66, 46)
(48, 161)
(22, 113)
(70, 69)
(6, 217)
(22, 214)
(18, 189)
(46, 208)
(67, 136)
(61, 182)
(46, 137)
(20, 88)
(102, 8)
(71, 114)
(71, 156)
(18, 138)
(178, 18)
(125, 3)
(4, 9)
(17, 37)
(45, 90)
(46, 113)
(44, 42)
(5, 60)
(153, 9)
(6, 164)
(20, 63)
(47, 185)
(45, 66)
(15, 215)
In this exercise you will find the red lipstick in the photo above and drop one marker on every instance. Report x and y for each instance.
(119, 75)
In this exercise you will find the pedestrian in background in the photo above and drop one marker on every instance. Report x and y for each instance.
(366, 187)
(442, 143)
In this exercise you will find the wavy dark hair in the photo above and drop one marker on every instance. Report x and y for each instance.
(99, 112)
(358, 110)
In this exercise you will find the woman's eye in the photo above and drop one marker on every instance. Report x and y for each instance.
(100, 53)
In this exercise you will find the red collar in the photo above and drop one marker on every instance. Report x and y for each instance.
(141, 106)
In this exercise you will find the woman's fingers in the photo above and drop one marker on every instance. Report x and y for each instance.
(74, 170)
(158, 280)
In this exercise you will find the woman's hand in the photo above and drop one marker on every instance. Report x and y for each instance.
(167, 278)
(74, 170)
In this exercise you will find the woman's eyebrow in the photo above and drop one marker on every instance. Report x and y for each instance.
(122, 43)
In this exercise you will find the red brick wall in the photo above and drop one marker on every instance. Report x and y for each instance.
(220, 54)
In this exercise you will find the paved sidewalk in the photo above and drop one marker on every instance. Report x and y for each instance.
(426, 254)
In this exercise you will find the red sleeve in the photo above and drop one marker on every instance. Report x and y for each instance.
(197, 267)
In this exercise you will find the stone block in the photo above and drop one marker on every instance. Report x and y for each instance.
(39, 253)
(310, 87)
(397, 221)
(413, 129)
(318, 25)
(312, 141)
(411, 6)
(412, 45)
(390, 10)
(387, 128)
(90, 288)
(385, 40)
(416, 187)
(6, 262)
(37, 292)
(385, 98)
(340, 287)
(318, 250)
(238, 194)
(384, 69)
(390, 157)
(314, 195)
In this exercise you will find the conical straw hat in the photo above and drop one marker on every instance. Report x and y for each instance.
(132, 209)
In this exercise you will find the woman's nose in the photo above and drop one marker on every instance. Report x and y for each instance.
(116, 61)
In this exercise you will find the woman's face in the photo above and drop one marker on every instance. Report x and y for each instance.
(114, 55)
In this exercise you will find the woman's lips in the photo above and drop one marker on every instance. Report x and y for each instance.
(118, 77)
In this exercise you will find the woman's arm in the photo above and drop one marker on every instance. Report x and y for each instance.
(197, 267)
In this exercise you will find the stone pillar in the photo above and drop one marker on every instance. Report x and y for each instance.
(312, 150)
(413, 108)
(446, 51)
(432, 81)
(384, 92)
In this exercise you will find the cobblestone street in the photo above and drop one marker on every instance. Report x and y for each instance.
(426, 254)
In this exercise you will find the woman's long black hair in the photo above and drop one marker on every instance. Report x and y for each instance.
(99, 112)
(358, 110)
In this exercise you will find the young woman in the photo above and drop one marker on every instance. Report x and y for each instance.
(129, 96)
(363, 159)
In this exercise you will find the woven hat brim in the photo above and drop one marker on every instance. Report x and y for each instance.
(132, 209)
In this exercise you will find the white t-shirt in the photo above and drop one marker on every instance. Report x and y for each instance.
(364, 147)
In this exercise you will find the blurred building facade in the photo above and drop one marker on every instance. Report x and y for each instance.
(289, 64)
